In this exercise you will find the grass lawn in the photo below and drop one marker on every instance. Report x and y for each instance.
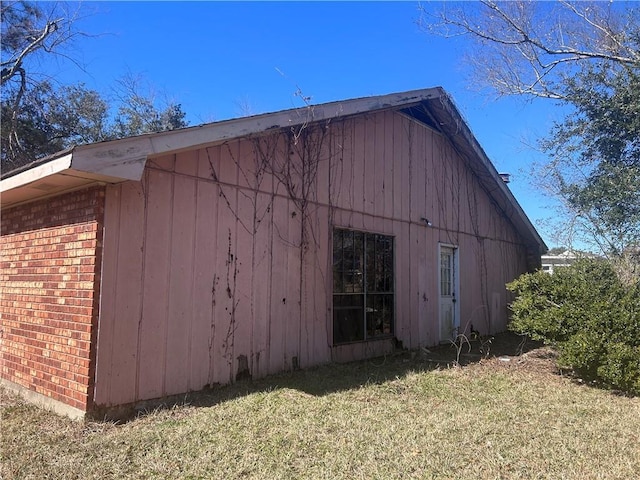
(404, 416)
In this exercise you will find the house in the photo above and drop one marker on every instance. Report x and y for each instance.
(165, 263)
(562, 259)
(566, 258)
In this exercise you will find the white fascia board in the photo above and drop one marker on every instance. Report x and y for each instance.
(123, 159)
(216, 132)
(126, 158)
(41, 171)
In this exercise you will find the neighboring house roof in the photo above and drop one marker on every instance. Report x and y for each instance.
(562, 259)
(566, 257)
(124, 159)
(566, 254)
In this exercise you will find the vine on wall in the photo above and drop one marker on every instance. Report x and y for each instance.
(290, 158)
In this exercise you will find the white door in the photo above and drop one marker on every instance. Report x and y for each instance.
(448, 276)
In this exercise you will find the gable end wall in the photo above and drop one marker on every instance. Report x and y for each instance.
(205, 283)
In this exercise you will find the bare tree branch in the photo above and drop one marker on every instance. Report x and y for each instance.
(28, 30)
(524, 61)
(14, 65)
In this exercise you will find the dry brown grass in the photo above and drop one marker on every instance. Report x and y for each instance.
(406, 416)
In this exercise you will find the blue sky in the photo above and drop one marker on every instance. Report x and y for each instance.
(225, 59)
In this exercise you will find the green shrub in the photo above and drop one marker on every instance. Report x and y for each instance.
(589, 315)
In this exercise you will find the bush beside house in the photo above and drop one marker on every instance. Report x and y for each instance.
(589, 314)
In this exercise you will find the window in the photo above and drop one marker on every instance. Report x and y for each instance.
(446, 272)
(363, 299)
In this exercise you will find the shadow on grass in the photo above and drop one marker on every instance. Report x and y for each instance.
(330, 378)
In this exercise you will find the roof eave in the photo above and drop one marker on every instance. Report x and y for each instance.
(124, 159)
(51, 167)
(51, 176)
(453, 125)
(134, 150)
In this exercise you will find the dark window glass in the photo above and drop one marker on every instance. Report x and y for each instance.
(348, 318)
(379, 314)
(363, 300)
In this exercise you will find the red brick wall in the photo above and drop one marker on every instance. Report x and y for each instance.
(50, 260)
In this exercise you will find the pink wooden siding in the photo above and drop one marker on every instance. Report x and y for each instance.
(205, 280)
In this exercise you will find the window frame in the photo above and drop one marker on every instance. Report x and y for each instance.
(361, 293)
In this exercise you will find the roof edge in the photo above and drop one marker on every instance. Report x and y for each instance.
(133, 150)
(125, 159)
(36, 172)
(501, 193)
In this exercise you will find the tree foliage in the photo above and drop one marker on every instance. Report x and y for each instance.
(602, 139)
(138, 112)
(50, 119)
(40, 117)
(585, 55)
